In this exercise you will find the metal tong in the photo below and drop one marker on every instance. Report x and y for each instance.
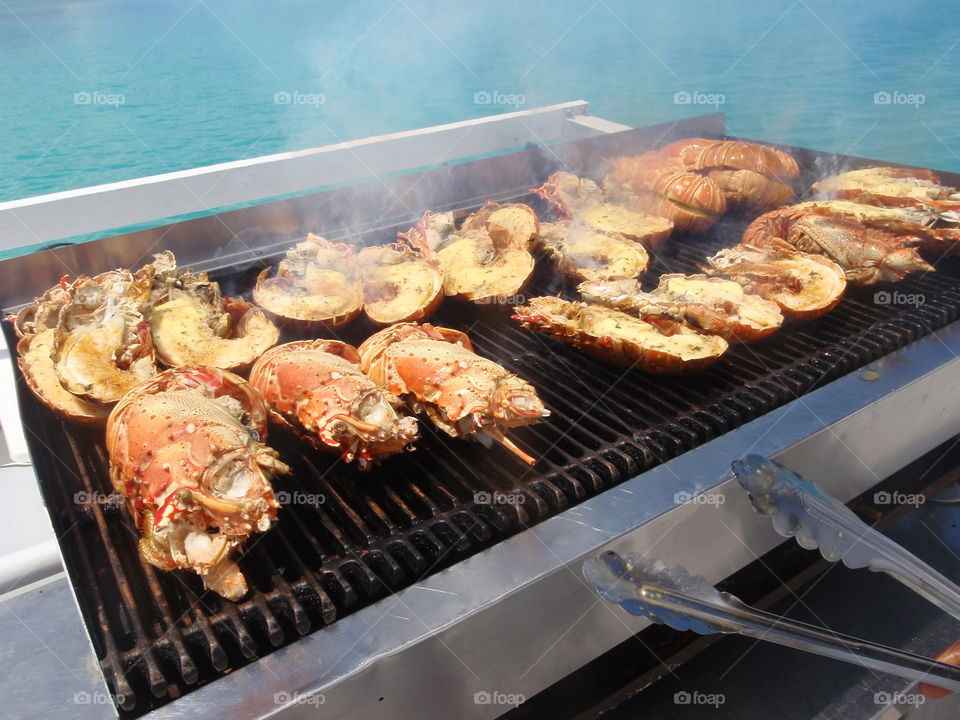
(798, 508)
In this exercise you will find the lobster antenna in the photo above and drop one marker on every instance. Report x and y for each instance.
(497, 435)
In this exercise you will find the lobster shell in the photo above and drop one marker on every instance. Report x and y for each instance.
(704, 154)
(606, 333)
(664, 187)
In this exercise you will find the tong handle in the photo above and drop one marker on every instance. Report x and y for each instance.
(735, 616)
(874, 550)
(800, 509)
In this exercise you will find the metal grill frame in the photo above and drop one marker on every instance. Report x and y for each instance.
(337, 686)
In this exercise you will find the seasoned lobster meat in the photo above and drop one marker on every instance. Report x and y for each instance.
(712, 305)
(583, 253)
(317, 284)
(187, 452)
(893, 187)
(36, 353)
(194, 325)
(316, 388)
(399, 284)
(100, 354)
(435, 370)
(104, 335)
(805, 286)
(485, 261)
(87, 339)
(867, 255)
(617, 337)
(581, 202)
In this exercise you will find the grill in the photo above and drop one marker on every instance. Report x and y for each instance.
(346, 539)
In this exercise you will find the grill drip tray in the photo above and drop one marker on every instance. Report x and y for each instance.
(346, 539)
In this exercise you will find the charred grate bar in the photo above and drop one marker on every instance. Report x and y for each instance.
(346, 539)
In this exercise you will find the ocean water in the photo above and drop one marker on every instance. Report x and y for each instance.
(96, 91)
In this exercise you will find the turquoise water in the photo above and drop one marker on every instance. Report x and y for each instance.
(97, 91)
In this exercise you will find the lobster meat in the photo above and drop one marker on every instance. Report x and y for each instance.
(582, 203)
(712, 305)
(85, 343)
(583, 253)
(893, 187)
(399, 284)
(187, 452)
(436, 371)
(487, 259)
(96, 338)
(667, 348)
(192, 324)
(317, 285)
(805, 286)
(867, 255)
(316, 388)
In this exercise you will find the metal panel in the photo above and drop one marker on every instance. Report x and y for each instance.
(49, 668)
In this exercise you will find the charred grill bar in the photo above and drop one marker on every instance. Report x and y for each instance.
(347, 540)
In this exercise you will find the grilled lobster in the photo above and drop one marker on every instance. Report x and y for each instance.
(657, 184)
(867, 255)
(463, 394)
(617, 337)
(805, 286)
(487, 259)
(712, 305)
(893, 187)
(582, 204)
(316, 388)
(187, 452)
(317, 285)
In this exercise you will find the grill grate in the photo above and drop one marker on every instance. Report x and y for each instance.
(157, 635)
